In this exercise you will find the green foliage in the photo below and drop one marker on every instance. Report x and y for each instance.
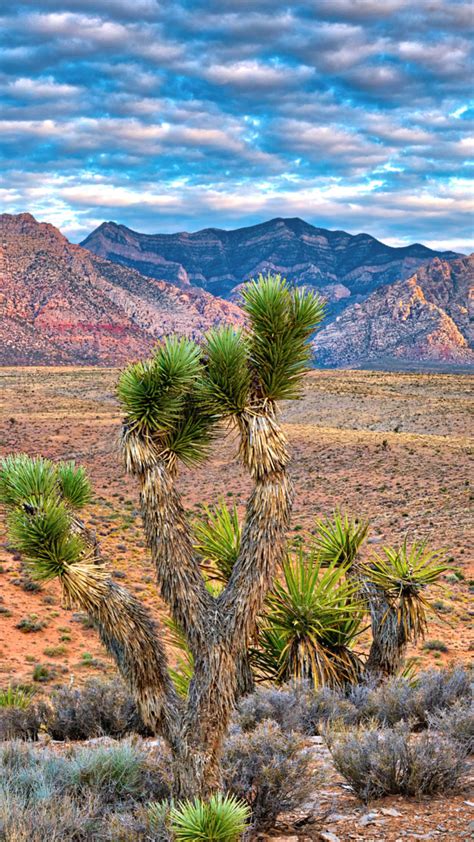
(16, 697)
(152, 392)
(41, 531)
(282, 320)
(339, 539)
(311, 622)
(403, 574)
(23, 479)
(225, 387)
(222, 817)
(218, 537)
(74, 484)
(190, 438)
(40, 497)
(182, 674)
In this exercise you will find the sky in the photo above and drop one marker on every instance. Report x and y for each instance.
(172, 116)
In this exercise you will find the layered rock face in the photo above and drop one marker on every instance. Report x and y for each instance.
(344, 268)
(61, 304)
(427, 318)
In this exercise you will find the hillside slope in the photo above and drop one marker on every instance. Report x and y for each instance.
(426, 318)
(60, 304)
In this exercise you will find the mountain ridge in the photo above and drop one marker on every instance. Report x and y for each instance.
(339, 265)
(428, 318)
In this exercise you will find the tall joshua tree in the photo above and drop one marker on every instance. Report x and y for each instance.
(172, 405)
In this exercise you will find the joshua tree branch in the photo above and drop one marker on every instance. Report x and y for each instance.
(169, 537)
(130, 635)
(263, 450)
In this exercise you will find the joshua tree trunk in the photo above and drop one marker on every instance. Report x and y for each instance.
(217, 629)
(389, 641)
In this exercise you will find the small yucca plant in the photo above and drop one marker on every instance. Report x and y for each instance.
(312, 619)
(339, 539)
(403, 574)
(16, 697)
(223, 818)
(217, 541)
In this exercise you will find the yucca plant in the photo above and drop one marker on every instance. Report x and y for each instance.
(172, 404)
(223, 818)
(339, 539)
(16, 697)
(312, 619)
(403, 574)
(217, 540)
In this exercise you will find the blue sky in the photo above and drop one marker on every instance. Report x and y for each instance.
(168, 116)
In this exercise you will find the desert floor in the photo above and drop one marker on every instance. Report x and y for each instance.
(395, 448)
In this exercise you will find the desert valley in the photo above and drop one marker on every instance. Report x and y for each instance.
(236, 421)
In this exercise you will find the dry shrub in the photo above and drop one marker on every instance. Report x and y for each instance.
(270, 770)
(394, 762)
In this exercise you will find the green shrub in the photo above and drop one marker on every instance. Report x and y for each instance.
(223, 818)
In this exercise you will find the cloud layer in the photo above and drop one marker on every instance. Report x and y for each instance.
(173, 115)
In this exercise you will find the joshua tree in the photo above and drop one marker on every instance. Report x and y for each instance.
(172, 403)
(391, 584)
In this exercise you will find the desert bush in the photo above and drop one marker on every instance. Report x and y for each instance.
(392, 762)
(116, 773)
(20, 716)
(440, 689)
(269, 770)
(287, 707)
(91, 793)
(456, 722)
(99, 708)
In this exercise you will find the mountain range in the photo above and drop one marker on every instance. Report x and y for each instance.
(108, 300)
(342, 267)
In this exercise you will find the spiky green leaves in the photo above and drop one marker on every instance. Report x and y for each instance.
(282, 320)
(41, 497)
(152, 392)
(24, 478)
(221, 819)
(339, 539)
(41, 532)
(218, 536)
(312, 619)
(403, 574)
(74, 484)
(224, 389)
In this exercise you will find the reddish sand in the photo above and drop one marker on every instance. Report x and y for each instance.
(392, 447)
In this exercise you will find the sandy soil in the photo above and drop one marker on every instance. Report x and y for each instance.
(395, 448)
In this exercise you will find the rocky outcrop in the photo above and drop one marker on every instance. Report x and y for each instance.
(60, 304)
(344, 268)
(426, 318)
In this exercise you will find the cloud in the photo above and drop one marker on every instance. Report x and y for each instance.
(166, 115)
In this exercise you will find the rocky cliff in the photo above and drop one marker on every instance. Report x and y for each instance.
(61, 304)
(427, 318)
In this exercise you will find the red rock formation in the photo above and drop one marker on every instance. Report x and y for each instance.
(426, 318)
(60, 304)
